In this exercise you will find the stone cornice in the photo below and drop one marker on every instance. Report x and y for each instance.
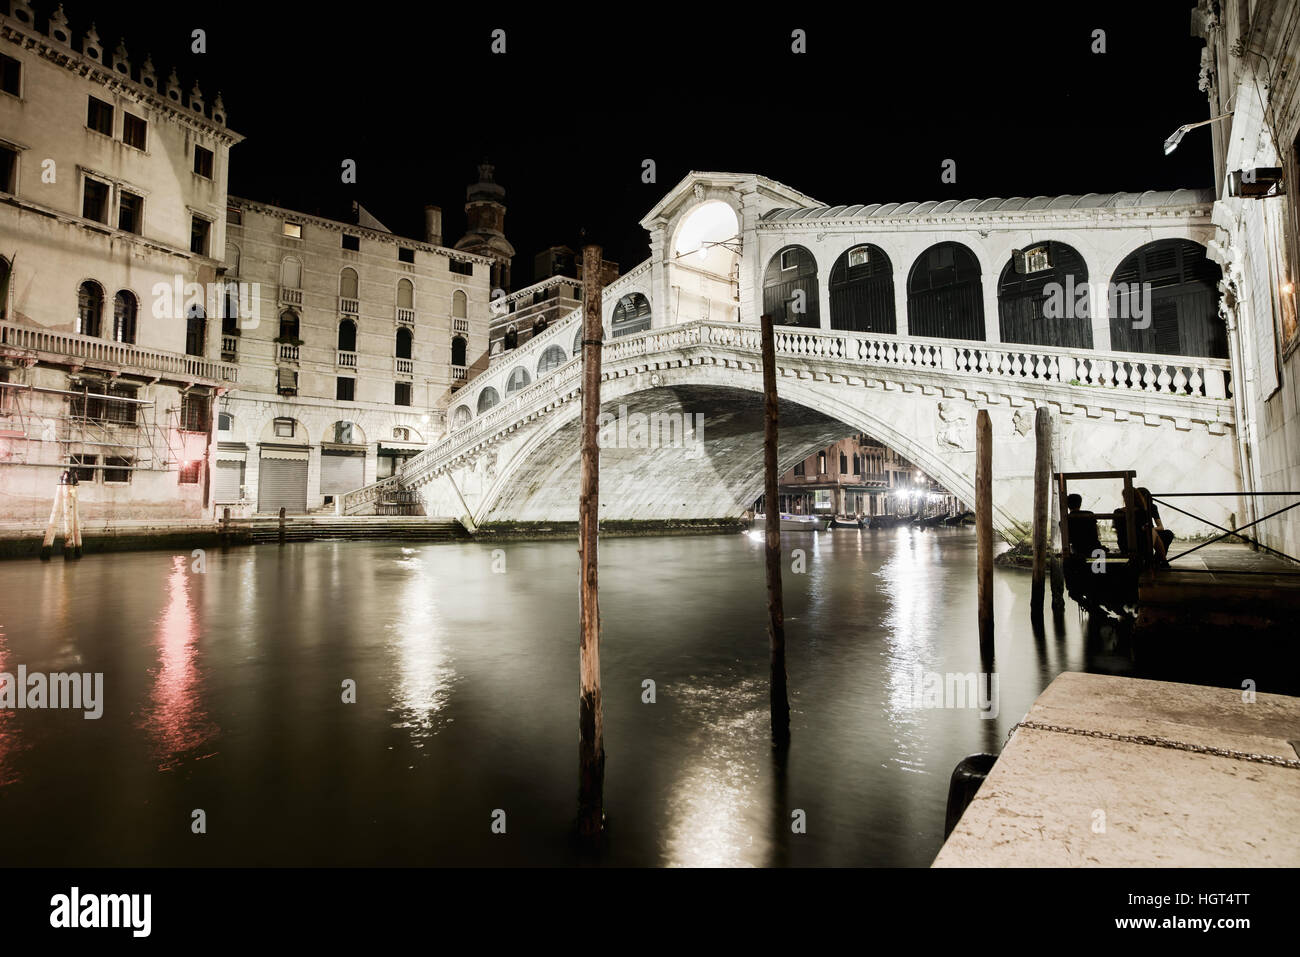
(1001, 220)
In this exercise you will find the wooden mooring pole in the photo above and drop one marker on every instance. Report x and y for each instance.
(777, 679)
(281, 524)
(984, 529)
(591, 731)
(1042, 499)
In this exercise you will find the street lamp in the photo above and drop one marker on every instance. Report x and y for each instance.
(1176, 136)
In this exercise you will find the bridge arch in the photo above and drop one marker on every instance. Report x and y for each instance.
(1164, 300)
(487, 399)
(790, 293)
(518, 379)
(1049, 302)
(631, 315)
(461, 416)
(552, 358)
(862, 291)
(945, 294)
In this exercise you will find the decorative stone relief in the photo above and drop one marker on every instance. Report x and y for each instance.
(953, 431)
(1023, 420)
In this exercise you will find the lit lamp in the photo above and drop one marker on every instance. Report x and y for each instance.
(1177, 135)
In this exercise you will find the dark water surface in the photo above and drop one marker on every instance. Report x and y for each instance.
(222, 692)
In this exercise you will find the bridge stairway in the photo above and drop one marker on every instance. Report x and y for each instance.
(370, 528)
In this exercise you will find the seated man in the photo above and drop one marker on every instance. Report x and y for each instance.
(1082, 527)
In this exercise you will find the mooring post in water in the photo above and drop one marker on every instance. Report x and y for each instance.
(1042, 499)
(591, 730)
(225, 526)
(984, 528)
(1055, 529)
(777, 680)
(52, 528)
(67, 524)
(281, 524)
(76, 521)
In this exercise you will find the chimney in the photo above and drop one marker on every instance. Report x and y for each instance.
(433, 225)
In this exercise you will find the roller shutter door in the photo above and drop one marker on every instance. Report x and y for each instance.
(282, 483)
(229, 477)
(341, 472)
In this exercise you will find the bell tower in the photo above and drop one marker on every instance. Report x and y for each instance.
(485, 216)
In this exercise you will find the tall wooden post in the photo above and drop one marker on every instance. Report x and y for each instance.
(777, 679)
(76, 522)
(281, 524)
(47, 544)
(591, 730)
(1042, 498)
(984, 528)
(67, 524)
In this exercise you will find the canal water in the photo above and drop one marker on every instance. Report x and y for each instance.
(223, 686)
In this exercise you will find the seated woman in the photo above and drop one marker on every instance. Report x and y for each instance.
(1082, 527)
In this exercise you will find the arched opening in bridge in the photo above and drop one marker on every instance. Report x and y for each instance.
(461, 416)
(945, 297)
(1164, 300)
(551, 360)
(862, 291)
(631, 315)
(705, 263)
(790, 294)
(1043, 298)
(518, 379)
(486, 399)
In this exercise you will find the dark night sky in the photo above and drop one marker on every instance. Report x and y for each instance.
(412, 93)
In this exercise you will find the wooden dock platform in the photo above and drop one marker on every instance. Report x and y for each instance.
(1103, 773)
(1221, 585)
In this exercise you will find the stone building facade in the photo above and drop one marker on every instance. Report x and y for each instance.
(860, 477)
(112, 218)
(1250, 73)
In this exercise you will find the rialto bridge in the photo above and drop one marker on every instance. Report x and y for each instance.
(898, 321)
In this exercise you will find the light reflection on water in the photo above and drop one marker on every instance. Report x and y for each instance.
(467, 700)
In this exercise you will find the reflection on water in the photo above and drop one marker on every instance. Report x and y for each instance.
(175, 720)
(422, 675)
(467, 700)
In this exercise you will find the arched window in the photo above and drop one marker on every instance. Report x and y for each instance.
(1164, 300)
(945, 297)
(631, 315)
(1043, 297)
(125, 308)
(790, 288)
(232, 259)
(551, 359)
(511, 338)
(404, 340)
(458, 346)
(405, 294)
(518, 379)
(90, 308)
(347, 336)
(348, 283)
(291, 273)
(486, 399)
(459, 303)
(460, 416)
(577, 341)
(862, 291)
(288, 326)
(196, 330)
(539, 327)
(230, 310)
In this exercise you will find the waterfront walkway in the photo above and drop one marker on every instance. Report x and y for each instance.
(1068, 796)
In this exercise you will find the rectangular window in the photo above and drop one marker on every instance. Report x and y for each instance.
(199, 230)
(117, 469)
(135, 131)
(460, 268)
(405, 255)
(129, 209)
(352, 242)
(94, 200)
(196, 412)
(345, 389)
(844, 464)
(401, 393)
(798, 469)
(87, 474)
(11, 75)
(293, 230)
(234, 216)
(8, 170)
(284, 428)
(99, 116)
(203, 161)
(189, 473)
(121, 413)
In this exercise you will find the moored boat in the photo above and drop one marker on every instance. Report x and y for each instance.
(796, 523)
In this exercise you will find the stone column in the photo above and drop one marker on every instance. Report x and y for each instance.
(900, 300)
(992, 329)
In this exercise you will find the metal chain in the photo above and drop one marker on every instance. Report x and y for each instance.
(1158, 742)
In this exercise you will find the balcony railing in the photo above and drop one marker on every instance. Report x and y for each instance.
(290, 297)
(404, 366)
(347, 359)
(460, 325)
(458, 373)
(349, 307)
(288, 352)
(406, 316)
(100, 352)
(229, 347)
